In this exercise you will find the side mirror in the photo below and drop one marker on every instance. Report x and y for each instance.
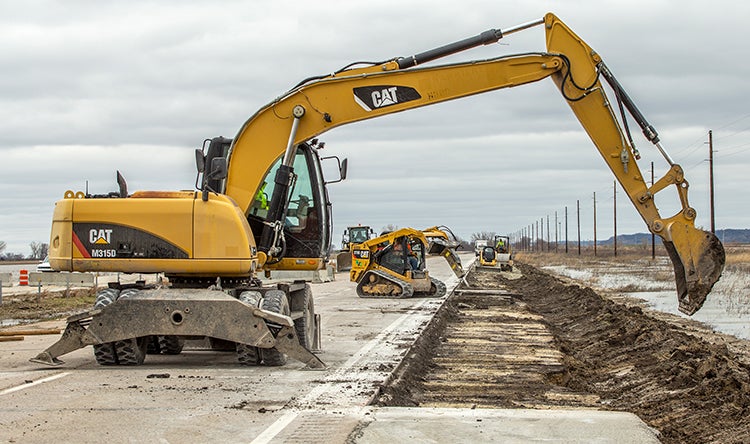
(343, 168)
(218, 168)
(200, 160)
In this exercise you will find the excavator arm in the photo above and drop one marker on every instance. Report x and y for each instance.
(354, 94)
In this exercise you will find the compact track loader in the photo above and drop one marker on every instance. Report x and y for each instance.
(394, 266)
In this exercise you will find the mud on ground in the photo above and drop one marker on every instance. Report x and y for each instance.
(32, 307)
(687, 385)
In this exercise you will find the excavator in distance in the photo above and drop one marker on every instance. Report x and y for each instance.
(261, 204)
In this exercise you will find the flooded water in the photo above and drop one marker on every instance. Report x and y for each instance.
(726, 310)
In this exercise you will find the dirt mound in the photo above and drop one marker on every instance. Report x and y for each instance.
(614, 357)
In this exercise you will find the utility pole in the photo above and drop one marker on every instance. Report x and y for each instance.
(578, 212)
(566, 229)
(541, 235)
(711, 176)
(557, 241)
(594, 223)
(614, 194)
(548, 247)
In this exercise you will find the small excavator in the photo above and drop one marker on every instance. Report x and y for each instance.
(261, 203)
(393, 265)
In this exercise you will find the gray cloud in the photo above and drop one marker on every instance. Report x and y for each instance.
(91, 87)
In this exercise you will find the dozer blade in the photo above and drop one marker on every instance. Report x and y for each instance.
(698, 259)
(344, 261)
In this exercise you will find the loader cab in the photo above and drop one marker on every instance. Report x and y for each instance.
(404, 254)
(357, 235)
(307, 225)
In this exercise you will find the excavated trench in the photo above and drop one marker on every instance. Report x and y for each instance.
(529, 340)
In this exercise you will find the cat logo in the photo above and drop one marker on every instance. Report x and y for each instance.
(99, 236)
(374, 97)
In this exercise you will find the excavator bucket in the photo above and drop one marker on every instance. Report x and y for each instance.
(698, 259)
(451, 257)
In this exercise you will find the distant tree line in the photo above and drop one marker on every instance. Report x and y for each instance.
(39, 251)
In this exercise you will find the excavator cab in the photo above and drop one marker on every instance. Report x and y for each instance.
(306, 235)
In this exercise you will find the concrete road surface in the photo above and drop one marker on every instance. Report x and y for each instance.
(205, 396)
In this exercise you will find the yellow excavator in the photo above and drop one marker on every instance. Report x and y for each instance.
(393, 265)
(261, 204)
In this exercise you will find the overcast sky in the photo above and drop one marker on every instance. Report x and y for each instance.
(92, 87)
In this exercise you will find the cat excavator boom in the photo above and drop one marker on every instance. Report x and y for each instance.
(352, 94)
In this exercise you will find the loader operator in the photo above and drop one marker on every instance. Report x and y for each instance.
(500, 247)
(396, 260)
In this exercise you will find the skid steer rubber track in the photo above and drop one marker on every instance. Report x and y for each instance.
(377, 284)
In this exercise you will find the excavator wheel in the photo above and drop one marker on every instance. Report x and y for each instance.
(130, 351)
(170, 345)
(305, 326)
(377, 284)
(105, 353)
(275, 301)
(247, 354)
(125, 352)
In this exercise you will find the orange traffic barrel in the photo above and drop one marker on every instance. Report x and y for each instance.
(24, 277)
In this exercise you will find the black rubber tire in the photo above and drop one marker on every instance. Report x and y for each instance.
(131, 351)
(274, 301)
(152, 346)
(170, 345)
(247, 354)
(105, 353)
(305, 326)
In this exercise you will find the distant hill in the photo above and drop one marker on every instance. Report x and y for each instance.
(727, 236)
